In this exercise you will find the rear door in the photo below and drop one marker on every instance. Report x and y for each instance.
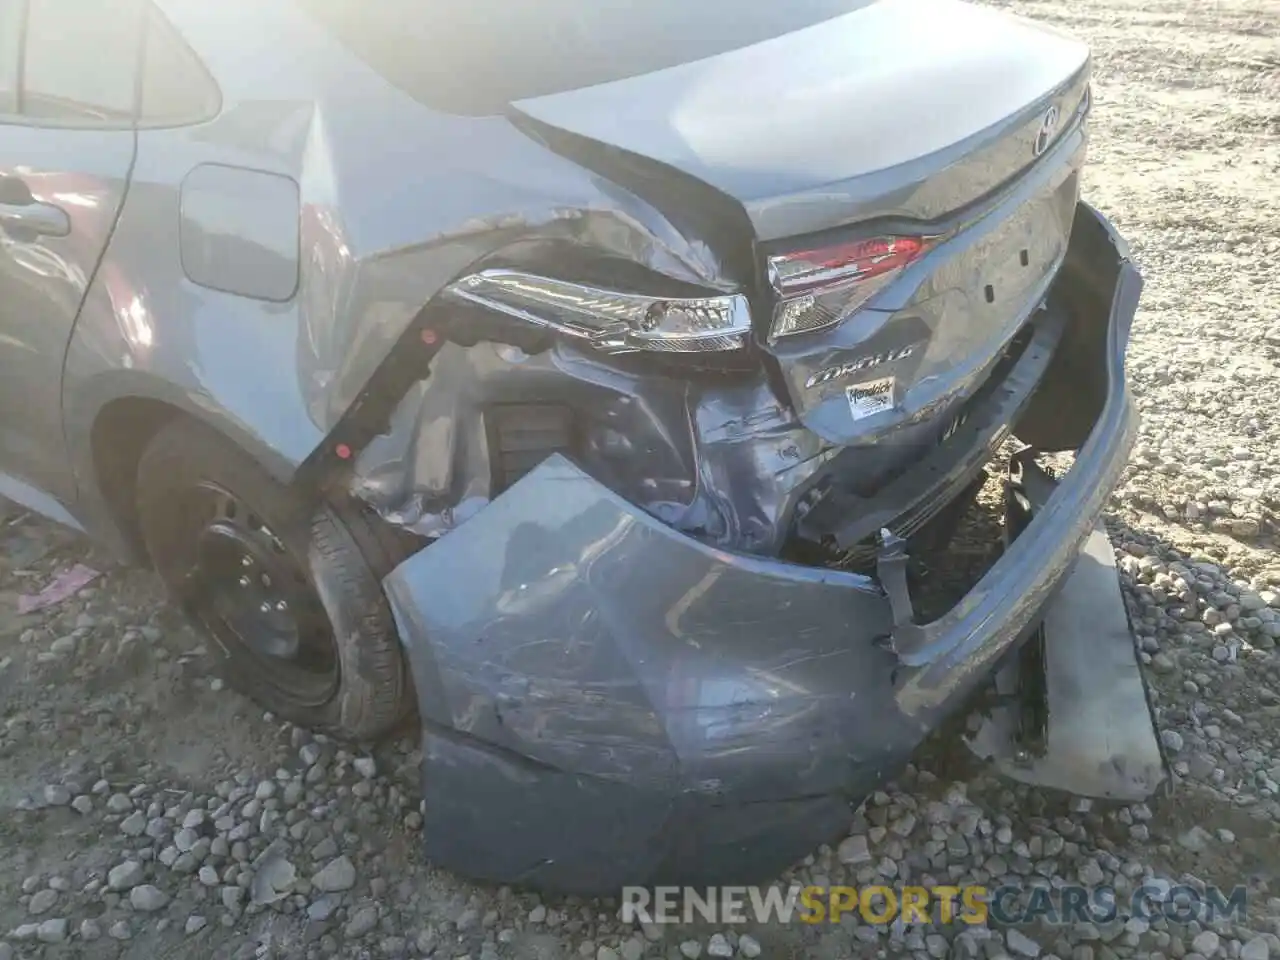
(68, 87)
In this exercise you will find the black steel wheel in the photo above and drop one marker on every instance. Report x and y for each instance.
(289, 597)
(255, 598)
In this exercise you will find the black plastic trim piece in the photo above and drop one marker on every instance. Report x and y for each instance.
(370, 413)
(949, 468)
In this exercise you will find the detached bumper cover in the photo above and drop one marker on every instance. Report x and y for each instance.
(606, 701)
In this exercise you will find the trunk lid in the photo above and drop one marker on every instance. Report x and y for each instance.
(924, 118)
(896, 108)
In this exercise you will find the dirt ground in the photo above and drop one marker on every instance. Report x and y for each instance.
(142, 806)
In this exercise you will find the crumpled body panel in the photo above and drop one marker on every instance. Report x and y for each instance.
(606, 700)
(394, 200)
(592, 650)
(723, 461)
(729, 455)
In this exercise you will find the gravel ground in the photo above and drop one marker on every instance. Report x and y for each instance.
(148, 813)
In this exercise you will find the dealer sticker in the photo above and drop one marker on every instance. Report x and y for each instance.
(872, 397)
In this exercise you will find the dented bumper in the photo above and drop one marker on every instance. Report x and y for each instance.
(607, 701)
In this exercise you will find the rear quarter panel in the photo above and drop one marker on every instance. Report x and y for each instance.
(394, 202)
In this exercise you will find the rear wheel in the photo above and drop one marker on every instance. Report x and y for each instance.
(289, 597)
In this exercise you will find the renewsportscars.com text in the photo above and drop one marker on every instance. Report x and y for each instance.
(976, 905)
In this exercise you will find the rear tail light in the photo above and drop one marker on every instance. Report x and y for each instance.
(610, 320)
(819, 288)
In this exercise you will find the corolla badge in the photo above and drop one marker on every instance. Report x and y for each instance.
(867, 362)
(1044, 136)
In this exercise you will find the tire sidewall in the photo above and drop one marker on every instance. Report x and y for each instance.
(370, 695)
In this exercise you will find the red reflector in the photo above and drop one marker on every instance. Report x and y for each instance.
(429, 337)
(857, 260)
(343, 451)
(880, 249)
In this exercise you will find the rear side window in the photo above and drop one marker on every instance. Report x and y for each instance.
(11, 13)
(99, 63)
(475, 56)
(176, 87)
(80, 62)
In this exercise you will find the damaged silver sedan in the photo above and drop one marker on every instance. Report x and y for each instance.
(604, 387)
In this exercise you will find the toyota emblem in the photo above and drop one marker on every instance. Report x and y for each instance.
(1044, 136)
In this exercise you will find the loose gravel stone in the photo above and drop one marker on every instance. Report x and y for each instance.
(148, 898)
(52, 931)
(1205, 943)
(337, 876)
(1090, 874)
(185, 840)
(274, 878)
(42, 902)
(324, 908)
(56, 795)
(362, 922)
(718, 946)
(125, 876)
(1021, 944)
(309, 754)
(854, 850)
(134, 825)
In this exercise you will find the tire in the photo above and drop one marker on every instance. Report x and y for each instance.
(203, 504)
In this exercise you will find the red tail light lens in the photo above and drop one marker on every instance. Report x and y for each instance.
(819, 288)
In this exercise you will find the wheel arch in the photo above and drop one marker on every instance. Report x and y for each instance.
(110, 428)
(122, 430)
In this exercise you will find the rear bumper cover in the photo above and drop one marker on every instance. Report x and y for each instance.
(606, 701)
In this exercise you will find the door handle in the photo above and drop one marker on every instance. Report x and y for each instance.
(38, 219)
